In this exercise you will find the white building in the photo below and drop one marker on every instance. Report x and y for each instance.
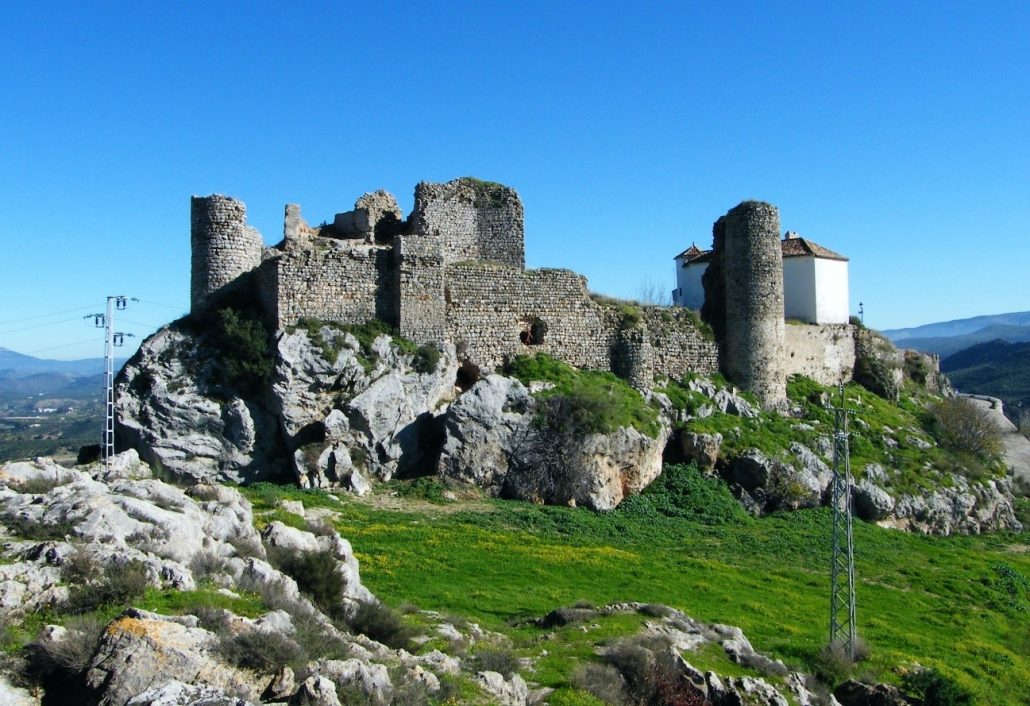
(815, 281)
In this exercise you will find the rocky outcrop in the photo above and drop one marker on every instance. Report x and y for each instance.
(797, 480)
(176, 412)
(492, 438)
(333, 414)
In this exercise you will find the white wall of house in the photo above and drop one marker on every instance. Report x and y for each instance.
(799, 289)
(689, 290)
(815, 289)
(831, 280)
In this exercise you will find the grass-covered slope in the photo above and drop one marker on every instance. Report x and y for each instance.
(956, 604)
(897, 436)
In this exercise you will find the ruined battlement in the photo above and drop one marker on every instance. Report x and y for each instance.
(454, 271)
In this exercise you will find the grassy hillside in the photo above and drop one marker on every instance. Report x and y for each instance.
(957, 604)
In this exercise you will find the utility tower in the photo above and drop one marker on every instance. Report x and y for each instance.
(843, 632)
(112, 340)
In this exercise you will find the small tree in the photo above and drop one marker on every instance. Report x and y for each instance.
(962, 425)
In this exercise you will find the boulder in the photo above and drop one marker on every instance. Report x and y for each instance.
(871, 502)
(854, 693)
(505, 692)
(140, 651)
(703, 449)
(483, 430)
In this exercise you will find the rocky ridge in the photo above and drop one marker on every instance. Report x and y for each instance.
(339, 412)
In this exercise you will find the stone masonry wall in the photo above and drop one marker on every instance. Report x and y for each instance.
(223, 246)
(333, 280)
(678, 346)
(418, 276)
(824, 353)
(495, 313)
(476, 220)
(752, 347)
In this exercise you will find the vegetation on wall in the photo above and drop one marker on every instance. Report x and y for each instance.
(598, 402)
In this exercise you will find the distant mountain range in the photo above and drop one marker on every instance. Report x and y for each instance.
(17, 365)
(950, 337)
(997, 368)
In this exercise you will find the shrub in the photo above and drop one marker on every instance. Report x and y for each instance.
(207, 564)
(832, 665)
(243, 345)
(316, 575)
(603, 681)
(426, 358)
(261, 650)
(41, 485)
(497, 659)
(377, 621)
(961, 425)
(67, 659)
(934, 688)
(683, 491)
(119, 586)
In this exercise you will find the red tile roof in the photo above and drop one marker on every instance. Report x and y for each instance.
(793, 246)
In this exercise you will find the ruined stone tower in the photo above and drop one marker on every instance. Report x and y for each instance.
(752, 267)
(223, 245)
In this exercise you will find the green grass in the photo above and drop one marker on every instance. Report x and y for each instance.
(603, 401)
(941, 602)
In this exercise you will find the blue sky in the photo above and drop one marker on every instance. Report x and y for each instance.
(894, 133)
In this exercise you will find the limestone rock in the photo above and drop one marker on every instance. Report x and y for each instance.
(138, 652)
(702, 448)
(176, 693)
(316, 691)
(169, 410)
(854, 693)
(11, 695)
(371, 679)
(965, 507)
(292, 540)
(871, 502)
(482, 431)
(510, 692)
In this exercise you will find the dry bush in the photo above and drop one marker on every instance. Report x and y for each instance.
(66, 659)
(497, 659)
(962, 425)
(377, 621)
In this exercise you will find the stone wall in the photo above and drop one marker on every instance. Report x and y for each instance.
(752, 263)
(824, 353)
(677, 345)
(495, 313)
(223, 246)
(332, 280)
(476, 220)
(418, 276)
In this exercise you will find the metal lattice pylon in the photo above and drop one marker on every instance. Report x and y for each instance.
(843, 632)
(112, 340)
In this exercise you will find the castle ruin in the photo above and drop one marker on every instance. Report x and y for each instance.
(454, 271)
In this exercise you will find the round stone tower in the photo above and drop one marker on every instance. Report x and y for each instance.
(224, 246)
(752, 262)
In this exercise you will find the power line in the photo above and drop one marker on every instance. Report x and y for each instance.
(64, 345)
(50, 323)
(43, 316)
(166, 306)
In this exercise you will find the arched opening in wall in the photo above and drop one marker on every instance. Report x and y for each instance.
(533, 332)
(468, 375)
